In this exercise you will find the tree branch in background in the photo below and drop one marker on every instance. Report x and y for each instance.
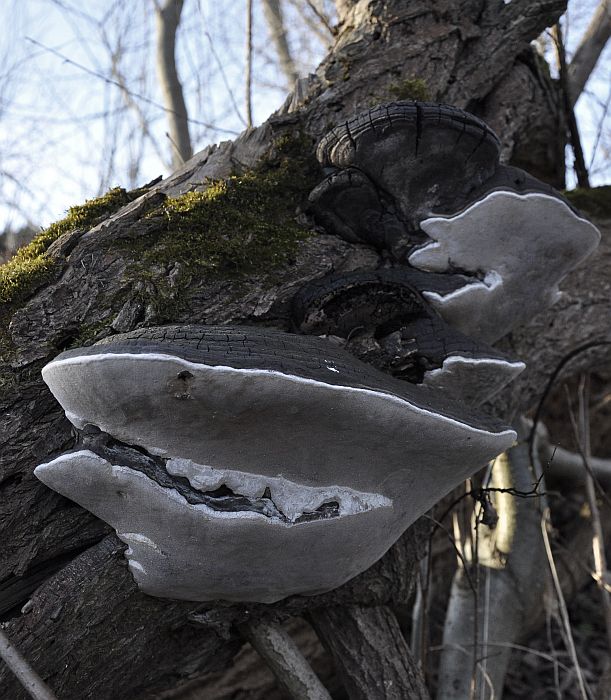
(316, 19)
(588, 52)
(504, 561)
(168, 18)
(580, 165)
(275, 22)
(249, 63)
(582, 434)
(291, 669)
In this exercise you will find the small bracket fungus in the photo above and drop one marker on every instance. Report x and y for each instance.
(424, 183)
(534, 241)
(422, 156)
(248, 464)
(387, 302)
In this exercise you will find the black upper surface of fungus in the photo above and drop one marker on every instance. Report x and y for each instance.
(425, 156)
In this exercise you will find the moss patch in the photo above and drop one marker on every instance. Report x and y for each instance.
(31, 266)
(410, 89)
(240, 225)
(595, 201)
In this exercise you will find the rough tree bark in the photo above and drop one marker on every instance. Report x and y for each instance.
(85, 627)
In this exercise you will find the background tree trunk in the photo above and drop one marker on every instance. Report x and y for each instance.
(86, 628)
(168, 18)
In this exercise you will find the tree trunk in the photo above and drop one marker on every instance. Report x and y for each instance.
(168, 18)
(590, 47)
(86, 628)
(275, 22)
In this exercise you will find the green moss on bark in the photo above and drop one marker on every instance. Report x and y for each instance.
(237, 226)
(31, 266)
(595, 201)
(410, 89)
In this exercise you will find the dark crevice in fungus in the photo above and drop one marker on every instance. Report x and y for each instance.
(385, 321)
(222, 499)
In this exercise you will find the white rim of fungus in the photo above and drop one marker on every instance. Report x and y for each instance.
(462, 360)
(137, 357)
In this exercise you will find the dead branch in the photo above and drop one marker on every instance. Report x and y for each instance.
(588, 52)
(292, 671)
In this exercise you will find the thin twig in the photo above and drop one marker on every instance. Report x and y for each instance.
(584, 458)
(476, 573)
(601, 126)
(564, 361)
(249, 63)
(598, 540)
(564, 613)
(26, 675)
(462, 650)
(219, 65)
(580, 165)
(323, 19)
(510, 645)
(459, 554)
(136, 95)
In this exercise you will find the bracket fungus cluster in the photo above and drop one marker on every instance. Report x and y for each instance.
(250, 464)
(423, 183)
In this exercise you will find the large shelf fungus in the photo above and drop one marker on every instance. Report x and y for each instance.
(248, 464)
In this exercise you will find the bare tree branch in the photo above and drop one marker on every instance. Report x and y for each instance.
(316, 18)
(590, 47)
(580, 165)
(272, 10)
(168, 19)
(504, 560)
(138, 96)
(27, 676)
(292, 671)
(248, 86)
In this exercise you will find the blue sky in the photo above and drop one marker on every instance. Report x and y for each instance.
(58, 149)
